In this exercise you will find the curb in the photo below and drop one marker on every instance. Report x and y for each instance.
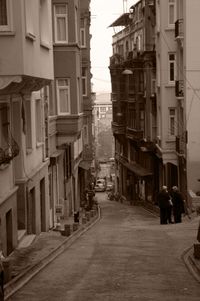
(19, 281)
(190, 263)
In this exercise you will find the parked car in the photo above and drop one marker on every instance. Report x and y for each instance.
(109, 186)
(100, 185)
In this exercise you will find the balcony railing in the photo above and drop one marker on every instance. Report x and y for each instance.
(180, 144)
(9, 152)
(179, 88)
(179, 29)
(118, 128)
(134, 134)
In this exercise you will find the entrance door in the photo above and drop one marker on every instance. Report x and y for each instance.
(42, 205)
(9, 232)
(31, 226)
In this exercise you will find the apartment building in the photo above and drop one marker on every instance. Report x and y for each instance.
(70, 121)
(133, 78)
(45, 114)
(166, 73)
(26, 71)
(88, 101)
(187, 94)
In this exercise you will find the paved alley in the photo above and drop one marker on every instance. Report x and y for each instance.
(127, 255)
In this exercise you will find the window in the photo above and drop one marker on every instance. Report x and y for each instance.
(171, 12)
(79, 98)
(172, 69)
(60, 23)
(142, 119)
(172, 122)
(63, 96)
(153, 87)
(68, 162)
(5, 15)
(27, 104)
(44, 23)
(84, 81)
(85, 134)
(38, 120)
(102, 109)
(82, 37)
(76, 25)
(29, 8)
(4, 126)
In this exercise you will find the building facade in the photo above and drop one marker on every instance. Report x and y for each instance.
(133, 77)
(187, 94)
(26, 71)
(154, 74)
(71, 106)
(45, 114)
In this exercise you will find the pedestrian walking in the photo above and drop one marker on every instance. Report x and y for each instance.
(163, 199)
(178, 204)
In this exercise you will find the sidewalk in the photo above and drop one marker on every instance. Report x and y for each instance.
(28, 261)
(192, 264)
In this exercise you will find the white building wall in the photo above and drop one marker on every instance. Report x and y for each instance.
(165, 44)
(192, 91)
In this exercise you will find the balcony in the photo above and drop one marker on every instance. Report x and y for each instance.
(179, 32)
(9, 152)
(180, 144)
(179, 88)
(118, 128)
(134, 134)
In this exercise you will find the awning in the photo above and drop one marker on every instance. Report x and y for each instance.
(85, 165)
(137, 169)
(123, 20)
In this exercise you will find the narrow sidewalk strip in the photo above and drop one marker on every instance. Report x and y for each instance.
(19, 281)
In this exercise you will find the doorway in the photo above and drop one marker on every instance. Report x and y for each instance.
(31, 223)
(42, 205)
(9, 231)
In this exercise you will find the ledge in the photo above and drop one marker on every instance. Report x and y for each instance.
(30, 36)
(7, 33)
(45, 45)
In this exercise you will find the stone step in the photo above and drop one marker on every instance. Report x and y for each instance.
(26, 241)
(20, 235)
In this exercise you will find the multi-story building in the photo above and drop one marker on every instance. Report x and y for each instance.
(88, 101)
(133, 77)
(187, 95)
(45, 114)
(26, 70)
(71, 107)
(166, 100)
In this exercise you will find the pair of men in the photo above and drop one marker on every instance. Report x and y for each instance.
(170, 202)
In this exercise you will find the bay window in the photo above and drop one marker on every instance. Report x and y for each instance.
(60, 23)
(63, 96)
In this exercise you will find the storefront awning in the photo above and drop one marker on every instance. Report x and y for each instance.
(137, 169)
(85, 165)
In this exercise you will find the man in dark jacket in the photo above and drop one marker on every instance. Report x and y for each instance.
(163, 200)
(178, 204)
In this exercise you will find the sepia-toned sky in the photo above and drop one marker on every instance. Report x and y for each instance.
(103, 13)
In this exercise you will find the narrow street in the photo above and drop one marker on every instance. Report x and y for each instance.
(127, 255)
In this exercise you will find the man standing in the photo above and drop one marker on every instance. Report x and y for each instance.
(178, 204)
(164, 205)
